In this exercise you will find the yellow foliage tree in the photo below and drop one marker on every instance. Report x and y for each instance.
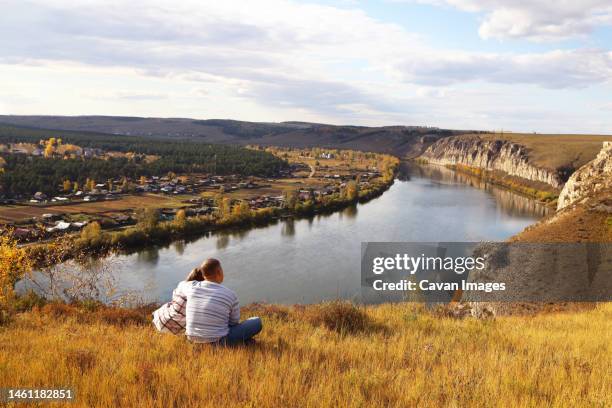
(148, 219)
(351, 190)
(14, 264)
(241, 210)
(223, 206)
(180, 219)
(290, 199)
(67, 186)
(49, 150)
(91, 232)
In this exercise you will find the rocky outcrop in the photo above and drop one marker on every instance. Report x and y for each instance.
(591, 178)
(509, 157)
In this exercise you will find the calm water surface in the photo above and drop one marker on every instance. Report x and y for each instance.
(309, 260)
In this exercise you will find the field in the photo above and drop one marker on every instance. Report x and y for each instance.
(387, 355)
(555, 151)
(276, 187)
(14, 213)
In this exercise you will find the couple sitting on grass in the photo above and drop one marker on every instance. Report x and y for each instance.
(205, 310)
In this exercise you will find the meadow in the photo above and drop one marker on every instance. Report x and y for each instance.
(333, 354)
(555, 151)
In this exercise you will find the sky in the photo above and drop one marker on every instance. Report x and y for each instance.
(513, 65)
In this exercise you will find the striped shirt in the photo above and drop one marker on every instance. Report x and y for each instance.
(211, 308)
(170, 317)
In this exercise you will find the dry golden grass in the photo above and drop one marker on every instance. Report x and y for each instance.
(555, 151)
(394, 355)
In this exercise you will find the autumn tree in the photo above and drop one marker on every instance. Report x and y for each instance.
(241, 210)
(14, 264)
(49, 151)
(148, 218)
(180, 220)
(67, 186)
(92, 232)
(351, 190)
(223, 206)
(290, 199)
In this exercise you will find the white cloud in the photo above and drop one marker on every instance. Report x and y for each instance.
(127, 95)
(276, 50)
(263, 60)
(538, 20)
(554, 69)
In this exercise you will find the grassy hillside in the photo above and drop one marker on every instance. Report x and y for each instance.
(556, 151)
(388, 355)
(398, 140)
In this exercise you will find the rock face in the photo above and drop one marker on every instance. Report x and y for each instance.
(589, 179)
(501, 155)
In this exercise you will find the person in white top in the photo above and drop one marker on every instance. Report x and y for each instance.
(212, 311)
(170, 317)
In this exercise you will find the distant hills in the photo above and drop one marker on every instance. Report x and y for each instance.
(403, 141)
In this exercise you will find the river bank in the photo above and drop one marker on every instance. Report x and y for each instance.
(535, 190)
(151, 232)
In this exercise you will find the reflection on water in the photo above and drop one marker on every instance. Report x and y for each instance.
(314, 259)
(179, 247)
(288, 228)
(509, 202)
(149, 256)
(222, 241)
(350, 212)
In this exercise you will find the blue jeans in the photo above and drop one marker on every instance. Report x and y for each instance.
(242, 332)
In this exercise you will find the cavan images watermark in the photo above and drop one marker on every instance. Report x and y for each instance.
(485, 272)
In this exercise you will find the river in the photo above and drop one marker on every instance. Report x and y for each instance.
(310, 260)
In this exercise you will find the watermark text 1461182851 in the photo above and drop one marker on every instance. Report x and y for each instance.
(36, 394)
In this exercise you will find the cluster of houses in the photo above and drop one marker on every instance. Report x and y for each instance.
(364, 176)
(46, 226)
(97, 194)
(183, 185)
(31, 149)
(54, 223)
